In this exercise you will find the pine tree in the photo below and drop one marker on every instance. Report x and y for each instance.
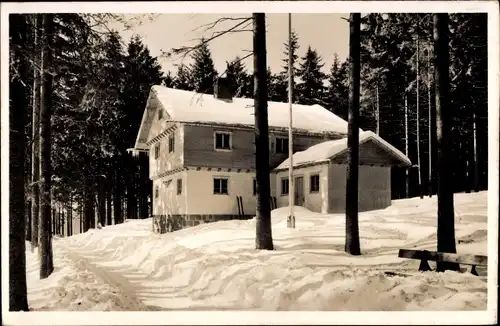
(241, 81)
(45, 238)
(263, 239)
(446, 213)
(18, 34)
(183, 78)
(277, 90)
(202, 69)
(352, 245)
(337, 92)
(283, 76)
(310, 89)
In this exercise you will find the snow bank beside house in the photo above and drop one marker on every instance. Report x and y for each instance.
(215, 266)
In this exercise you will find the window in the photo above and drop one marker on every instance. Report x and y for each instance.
(171, 143)
(157, 151)
(220, 186)
(179, 186)
(284, 186)
(157, 192)
(254, 187)
(314, 183)
(281, 145)
(222, 140)
(160, 114)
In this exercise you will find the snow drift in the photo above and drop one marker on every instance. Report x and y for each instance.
(215, 266)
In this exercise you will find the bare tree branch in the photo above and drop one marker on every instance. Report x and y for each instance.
(185, 50)
(220, 20)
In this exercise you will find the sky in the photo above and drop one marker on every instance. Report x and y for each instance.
(327, 33)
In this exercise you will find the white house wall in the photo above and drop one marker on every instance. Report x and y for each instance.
(374, 189)
(317, 201)
(202, 200)
(169, 202)
(167, 161)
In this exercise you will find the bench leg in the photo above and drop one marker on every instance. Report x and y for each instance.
(424, 266)
(473, 270)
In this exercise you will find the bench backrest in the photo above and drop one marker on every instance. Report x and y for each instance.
(465, 259)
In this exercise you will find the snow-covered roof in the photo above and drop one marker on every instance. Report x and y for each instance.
(191, 107)
(326, 151)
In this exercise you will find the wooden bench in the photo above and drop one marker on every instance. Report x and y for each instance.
(424, 256)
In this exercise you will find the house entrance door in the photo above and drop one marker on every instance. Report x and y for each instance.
(299, 191)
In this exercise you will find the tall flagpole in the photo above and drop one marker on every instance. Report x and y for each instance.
(291, 190)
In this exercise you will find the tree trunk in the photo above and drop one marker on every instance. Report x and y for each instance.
(88, 207)
(117, 199)
(431, 123)
(446, 215)
(352, 245)
(17, 246)
(377, 112)
(45, 238)
(35, 161)
(144, 185)
(109, 191)
(263, 239)
(80, 210)
(131, 199)
(69, 217)
(407, 170)
(420, 189)
(476, 165)
(102, 201)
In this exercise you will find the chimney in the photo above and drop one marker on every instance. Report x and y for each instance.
(222, 89)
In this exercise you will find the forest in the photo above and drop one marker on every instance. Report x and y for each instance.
(78, 91)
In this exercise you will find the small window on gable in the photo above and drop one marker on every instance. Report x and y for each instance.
(314, 183)
(281, 145)
(284, 186)
(254, 187)
(222, 140)
(171, 143)
(179, 186)
(157, 151)
(160, 114)
(220, 186)
(157, 192)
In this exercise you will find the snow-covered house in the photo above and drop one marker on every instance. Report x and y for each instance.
(320, 174)
(201, 153)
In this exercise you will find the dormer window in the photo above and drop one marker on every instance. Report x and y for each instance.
(222, 141)
(160, 114)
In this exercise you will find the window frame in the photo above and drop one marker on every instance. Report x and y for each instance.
(179, 186)
(284, 144)
(220, 179)
(157, 150)
(311, 190)
(287, 186)
(230, 141)
(171, 143)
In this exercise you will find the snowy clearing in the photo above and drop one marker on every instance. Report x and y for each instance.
(214, 266)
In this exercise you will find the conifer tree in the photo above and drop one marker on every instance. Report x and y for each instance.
(337, 92)
(283, 76)
(310, 88)
(203, 70)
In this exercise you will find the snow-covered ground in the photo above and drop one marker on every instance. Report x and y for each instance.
(215, 266)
